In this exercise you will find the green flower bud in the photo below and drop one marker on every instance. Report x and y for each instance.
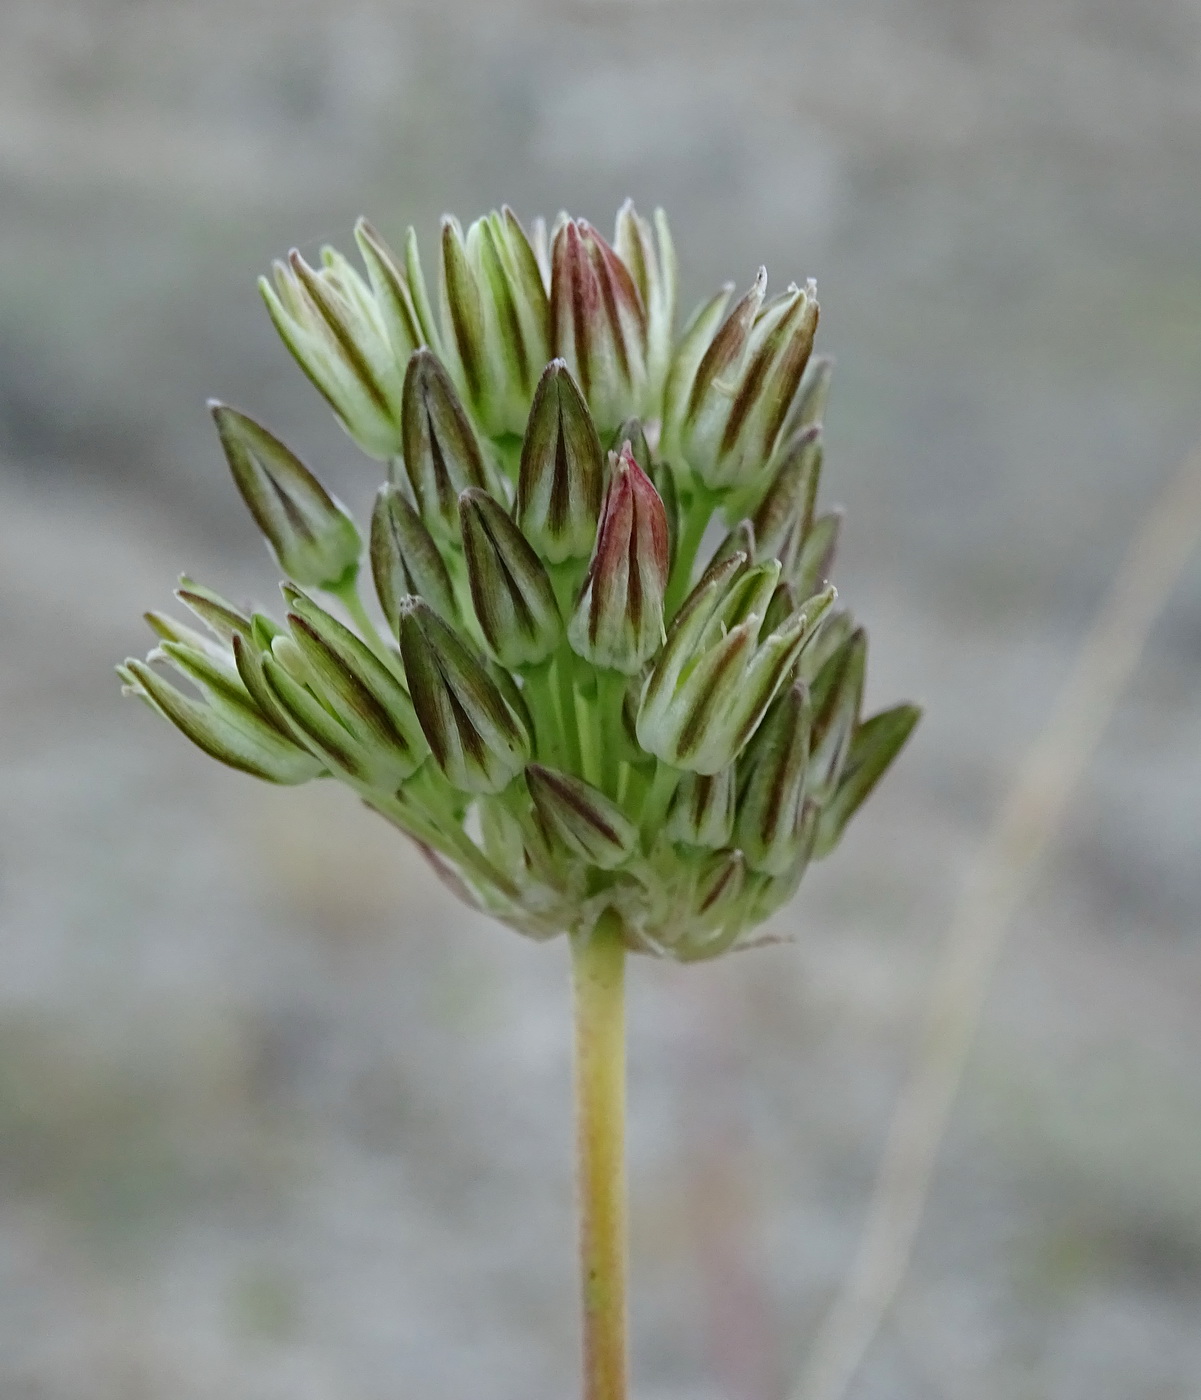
(837, 697)
(716, 677)
(716, 907)
(580, 817)
(598, 323)
(561, 479)
(785, 514)
(235, 734)
(512, 593)
(329, 320)
(405, 559)
(475, 737)
(702, 810)
(497, 318)
(694, 345)
(771, 788)
(745, 385)
(356, 685)
(441, 454)
(311, 535)
(650, 257)
(618, 621)
(809, 407)
(876, 743)
(221, 618)
(815, 557)
(401, 299)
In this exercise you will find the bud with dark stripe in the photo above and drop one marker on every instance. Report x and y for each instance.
(581, 818)
(475, 736)
(876, 743)
(310, 533)
(771, 791)
(405, 559)
(618, 621)
(514, 601)
(561, 479)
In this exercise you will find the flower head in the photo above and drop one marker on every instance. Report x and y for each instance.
(563, 704)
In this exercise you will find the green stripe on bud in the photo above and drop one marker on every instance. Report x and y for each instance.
(561, 478)
(618, 620)
(771, 789)
(236, 736)
(475, 736)
(876, 743)
(313, 538)
(405, 559)
(577, 815)
(837, 696)
(441, 454)
(511, 590)
(329, 320)
(784, 516)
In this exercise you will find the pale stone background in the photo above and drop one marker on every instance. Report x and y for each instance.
(279, 1121)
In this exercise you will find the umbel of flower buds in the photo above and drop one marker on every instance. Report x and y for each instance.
(560, 693)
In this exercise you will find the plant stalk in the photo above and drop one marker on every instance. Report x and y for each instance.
(598, 975)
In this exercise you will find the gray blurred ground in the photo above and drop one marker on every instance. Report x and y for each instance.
(280, 1121)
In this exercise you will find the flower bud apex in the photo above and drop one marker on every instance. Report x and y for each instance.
(745, 385)
(561, 480)
(653, 269)
(702, 810)
(311, 535)
(441, 454)
(785, 514)
(618, 621)
(331, 323)
(405, 559)
(772, 788)
(220, 617)
(497, 315)
(876, 743)
(475, 737)
(512, 593)
(598, 323)
(236, 735)
(583, 819)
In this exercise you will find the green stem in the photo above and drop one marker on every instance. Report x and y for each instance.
(657, 801)
(598, 977)
(697, 512)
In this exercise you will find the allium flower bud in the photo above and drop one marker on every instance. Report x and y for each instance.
(401, 299)
(314, 540)
(771, 792)
(650, 257)
(739, 398)
(561, 479)
(582, 818)
(837, 697)
(785, 514)
(475, 736)
(702, 810)
(441, 454)
(716, 677)
(876, 743)
(496, 315)
(618, 621)
(329, 320)
(405, 559)
(599, 324)
(513, 597)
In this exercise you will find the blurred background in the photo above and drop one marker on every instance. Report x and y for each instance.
(281, 1121)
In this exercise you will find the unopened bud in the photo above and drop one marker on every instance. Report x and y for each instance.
(405, 559)
(702, 810)
(561, 479)
(589, 824)
(650, 257)
(512, 593)
(876, 743)
(475, 737)
(441, 454)
(785, 514)
(772, 788)
(311, 535)
(618, 621)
